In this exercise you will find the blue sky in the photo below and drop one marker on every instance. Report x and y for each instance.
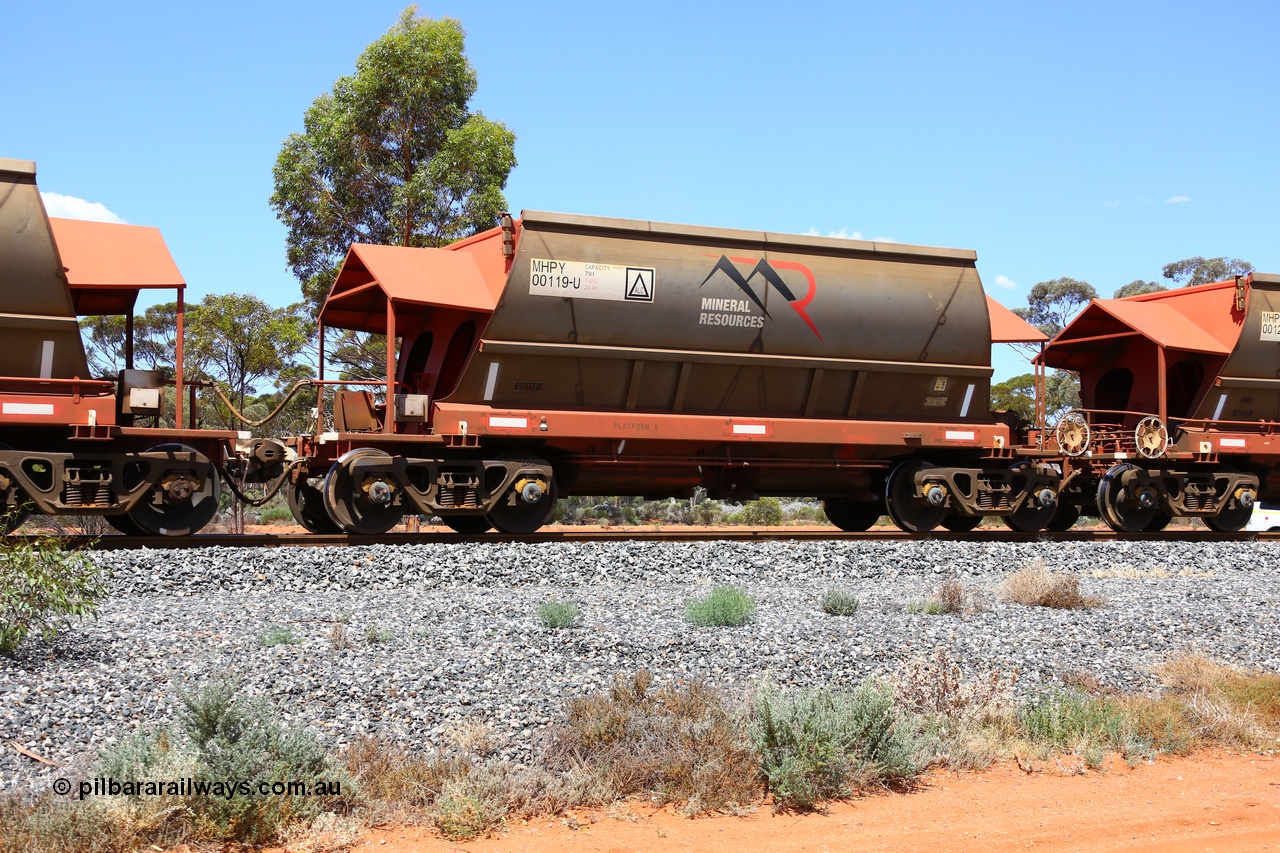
(1097, 141)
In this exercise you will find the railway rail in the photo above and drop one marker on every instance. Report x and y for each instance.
(116, 542)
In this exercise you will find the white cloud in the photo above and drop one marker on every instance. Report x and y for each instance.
(842, 234)
(1177, 199)
(1113, 203)
(1005, 282)
(70, 207)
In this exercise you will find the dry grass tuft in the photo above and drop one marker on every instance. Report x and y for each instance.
(1036, 586)
(1231, 705)
(679, 744)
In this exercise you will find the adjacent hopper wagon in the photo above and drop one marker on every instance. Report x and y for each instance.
(564, 354)
(75, 445)
(1181, 399)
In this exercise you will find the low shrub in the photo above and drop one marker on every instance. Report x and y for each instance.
(724, 606)
(766, 512)
(952, 598)
(837, 602)
(1037, 586)
(709, 513)
(681, 744)
(375, 634)
(817, 745)
(44, 588)
(278, 635)
(275, 515)
(557, 614)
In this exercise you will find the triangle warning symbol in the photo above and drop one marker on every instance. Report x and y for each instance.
(641, 285)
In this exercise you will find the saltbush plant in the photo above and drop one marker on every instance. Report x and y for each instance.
(815, 745)
(724, 606)
(44, 588)
(557, 614)
(278, 635)
(838, 602)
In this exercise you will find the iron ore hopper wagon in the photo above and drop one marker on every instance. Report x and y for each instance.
(560, 354)
(1181, 399)
(75, 445)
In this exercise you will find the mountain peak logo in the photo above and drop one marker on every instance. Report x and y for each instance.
(768, 270)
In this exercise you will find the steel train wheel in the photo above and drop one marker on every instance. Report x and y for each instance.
(306, 504)
(471, 525)
(1031, 517)
(957, 523)
(1122, 514)
(1229, 520)
(349, 504)
(1158, 523)
(124, 524)
(174, 515)
(1065, 517)
(853, 516)
(910, 513)
(514, 514)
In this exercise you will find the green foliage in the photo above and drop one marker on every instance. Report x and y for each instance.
(929, 607)
(557, 614)
(238, 341)
(278, 635)
(393, 155)
(241, 739)
(1198, 270)
(1016, 395)
(1088, 725)
(709, 513)
(44, 588)
(375, 634)
(1052, 304)
(1137, 287)
(816, 745)
(1061, 394)
(154, 340)
(275, 515)
(838, 602)
(766, 512)
(724, 606)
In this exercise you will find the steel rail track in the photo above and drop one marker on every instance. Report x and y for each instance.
(117, 542)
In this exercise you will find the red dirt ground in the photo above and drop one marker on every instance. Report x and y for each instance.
(1214, 801)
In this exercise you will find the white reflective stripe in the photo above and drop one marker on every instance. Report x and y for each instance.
(509, 423)
(27, 409)
(960, 434)
(749, 429)
(1222, 401)
(491, 381)
(1231, 442)
(968, 398)
(46, 360)
(621, 445)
